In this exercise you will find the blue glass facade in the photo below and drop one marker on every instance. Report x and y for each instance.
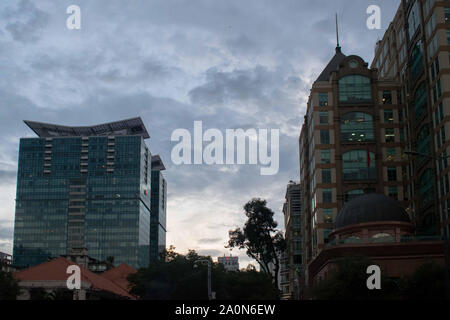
(158, 216)
(83, 192)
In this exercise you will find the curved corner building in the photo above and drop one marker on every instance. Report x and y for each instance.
(84, 187)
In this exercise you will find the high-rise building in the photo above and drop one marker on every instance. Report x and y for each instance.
(292, 222)
(351, 143)
(84, 187)
(414, 52)
(158, 210)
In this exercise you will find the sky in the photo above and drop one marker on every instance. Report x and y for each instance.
(230, 64)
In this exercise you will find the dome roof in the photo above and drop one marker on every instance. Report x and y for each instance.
(371, 207)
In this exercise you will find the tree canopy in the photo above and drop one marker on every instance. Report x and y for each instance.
(260, 237)
(175, 278)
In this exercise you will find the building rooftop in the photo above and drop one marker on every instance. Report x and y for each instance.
(333, 65)
(371, 207)
(157, 163)
(56, 270)
(133, 126)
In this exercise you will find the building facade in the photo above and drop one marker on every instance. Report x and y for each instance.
(415, 53)
(84, 187)
(351, 144)
(229, 262)
(158, 210)
(292, 260)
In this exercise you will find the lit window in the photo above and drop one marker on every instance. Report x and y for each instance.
(356, 127)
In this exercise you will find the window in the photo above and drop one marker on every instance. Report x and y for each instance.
(423, 144)
(387, 97)
(354, 88)
(328, 215)
(426, 187)
(327, 195)
(413, 21)
(420, 102)
(323, 117)
(447, 15)
(350, 195)
(390, 154)
(417, 65)
(359, 165)
(393, 192)
(388, 116)
(357, 126)
(326, 175)
(392, 173)
(324, 137)
(389, 135)
(325, 156)
(323, 99)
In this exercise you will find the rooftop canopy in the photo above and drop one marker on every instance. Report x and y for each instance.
(133, 126)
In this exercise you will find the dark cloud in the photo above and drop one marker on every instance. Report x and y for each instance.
(25, 21)
(231, 64)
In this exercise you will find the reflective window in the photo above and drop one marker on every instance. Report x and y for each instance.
(357, 126)
(423, 144)
(359, 165)
(355, 88)
(387, 97)
(426, 189)
(388, 116)
(323, 117)
(417, 65)
(324, 137)
(325, 156)
(389, 135)
(326, 175)
(323, 99)
(327, 195)
(328, 215)
(392, 173)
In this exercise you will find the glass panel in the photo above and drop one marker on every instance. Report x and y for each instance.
(357, 126)
(359, 165)
(355, 88)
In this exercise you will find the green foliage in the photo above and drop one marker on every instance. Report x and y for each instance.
(427, 282)
(177, 279)
(262, 241)
(348, 281)
(9, 288)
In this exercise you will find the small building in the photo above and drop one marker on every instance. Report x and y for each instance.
(49, 280)
(229, 262)
(6, 263)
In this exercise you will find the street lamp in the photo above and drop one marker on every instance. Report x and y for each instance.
(445, 233)
(211, 295)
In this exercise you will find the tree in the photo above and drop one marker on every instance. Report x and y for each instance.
(177, 279)
(9, 288)
(427, 282)
(262, 241)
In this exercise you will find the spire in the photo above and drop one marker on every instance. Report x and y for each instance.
(338, 48)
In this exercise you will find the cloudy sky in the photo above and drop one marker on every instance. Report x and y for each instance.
(230, 63)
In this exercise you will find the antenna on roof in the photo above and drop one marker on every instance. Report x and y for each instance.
(337, 32)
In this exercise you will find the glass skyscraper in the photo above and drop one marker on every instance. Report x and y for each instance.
(158, 208)
(84, 187)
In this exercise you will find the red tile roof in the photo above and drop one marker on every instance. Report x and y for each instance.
(56, 270)
(119, 275)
